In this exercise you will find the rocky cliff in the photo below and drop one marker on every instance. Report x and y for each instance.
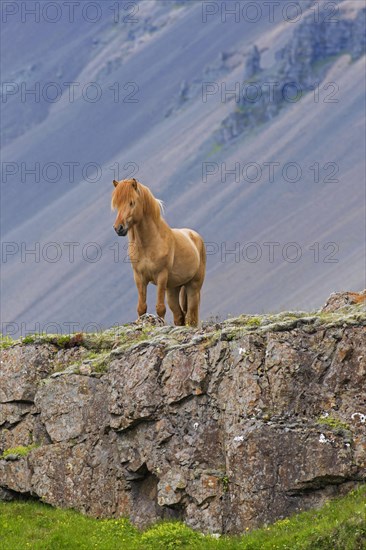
(225, 427)
(300, 67)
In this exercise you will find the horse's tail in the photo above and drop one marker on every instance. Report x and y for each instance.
(203, 258)
(183, 299)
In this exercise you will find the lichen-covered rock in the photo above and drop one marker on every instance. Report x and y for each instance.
(71, 406)
(22, 367)
(225, 427)
(342, 300)
(85, 475)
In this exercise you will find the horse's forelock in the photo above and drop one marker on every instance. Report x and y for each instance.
(124, 192)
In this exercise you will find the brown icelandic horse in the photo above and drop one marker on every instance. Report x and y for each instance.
(172, 259)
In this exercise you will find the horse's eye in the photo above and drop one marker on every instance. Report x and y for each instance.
(131, 203)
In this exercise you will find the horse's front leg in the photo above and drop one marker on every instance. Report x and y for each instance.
(141, 289)
(160, 300)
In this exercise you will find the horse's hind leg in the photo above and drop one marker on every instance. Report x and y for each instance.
(173, 303)
(183, 299)
(193, 288)
(193, 303)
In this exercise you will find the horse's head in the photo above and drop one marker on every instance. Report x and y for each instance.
(125, 199)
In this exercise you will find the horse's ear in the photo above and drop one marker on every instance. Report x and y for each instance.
(134, 183)
(115, 183)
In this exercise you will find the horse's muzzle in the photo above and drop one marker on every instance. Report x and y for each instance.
(121, 231)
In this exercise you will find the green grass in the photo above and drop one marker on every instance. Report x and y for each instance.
(333, 423)
(19, 451)
(253, 321)
(339, 525)
(6, 342)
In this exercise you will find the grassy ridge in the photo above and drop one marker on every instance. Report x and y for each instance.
(339, 525)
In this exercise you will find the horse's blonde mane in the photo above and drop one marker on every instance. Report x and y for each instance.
(125, 192)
